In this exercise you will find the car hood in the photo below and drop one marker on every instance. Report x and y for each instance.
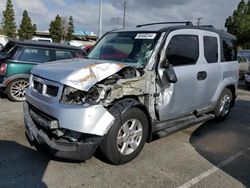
(80, 74)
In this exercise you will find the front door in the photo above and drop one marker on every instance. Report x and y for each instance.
(182, 50)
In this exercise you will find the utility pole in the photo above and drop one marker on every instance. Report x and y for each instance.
(124, 14)
(199, 21)
(100, 20)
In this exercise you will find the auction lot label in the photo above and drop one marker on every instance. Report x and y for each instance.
(145, 36)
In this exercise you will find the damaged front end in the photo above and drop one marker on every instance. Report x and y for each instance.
(71, 119)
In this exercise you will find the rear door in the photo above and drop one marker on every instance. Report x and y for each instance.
(210, 59)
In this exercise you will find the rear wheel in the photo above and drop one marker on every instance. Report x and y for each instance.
(223, 106)
(16, 90)
(126, 138)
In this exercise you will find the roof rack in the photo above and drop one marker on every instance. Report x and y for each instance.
(206, 26)
(188, 23)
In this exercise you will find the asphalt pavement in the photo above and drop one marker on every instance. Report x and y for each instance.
(213, 154)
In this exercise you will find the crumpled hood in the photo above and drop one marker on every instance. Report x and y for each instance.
(80, 74)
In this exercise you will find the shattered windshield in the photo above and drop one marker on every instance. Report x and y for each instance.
(127, 47)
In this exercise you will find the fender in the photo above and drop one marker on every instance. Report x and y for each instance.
(224, 84)
(14, 77)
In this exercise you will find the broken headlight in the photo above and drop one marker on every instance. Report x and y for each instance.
(74, 96)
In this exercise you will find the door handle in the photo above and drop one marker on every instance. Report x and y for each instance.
(202, 75)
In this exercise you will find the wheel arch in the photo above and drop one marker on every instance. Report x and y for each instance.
(128, 102)
(15, 77)
(228, 83)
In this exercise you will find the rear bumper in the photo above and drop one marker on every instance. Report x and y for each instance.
(79, 151)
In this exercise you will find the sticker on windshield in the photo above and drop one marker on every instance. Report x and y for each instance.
(145, 36)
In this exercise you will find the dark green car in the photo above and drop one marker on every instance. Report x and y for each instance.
(17, 59)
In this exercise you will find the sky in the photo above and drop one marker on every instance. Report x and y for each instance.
(86, 12)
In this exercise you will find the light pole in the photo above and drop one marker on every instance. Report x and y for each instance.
(100, 20)
(124, 14)
(199, 21)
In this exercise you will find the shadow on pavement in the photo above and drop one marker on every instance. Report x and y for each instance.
(21, 166)
(217, 141)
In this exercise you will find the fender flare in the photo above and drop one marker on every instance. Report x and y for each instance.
(123, 105)
(14, 77)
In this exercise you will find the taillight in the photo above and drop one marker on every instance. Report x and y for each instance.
(3, 68)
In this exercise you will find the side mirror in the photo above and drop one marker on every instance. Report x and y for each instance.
(169, 74)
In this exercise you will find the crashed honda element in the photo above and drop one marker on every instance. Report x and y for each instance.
(133, 86)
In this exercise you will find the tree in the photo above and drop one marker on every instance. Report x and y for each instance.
(239, 24)
(27, 30)
(8, 22)
(70, 30)
(55, 29)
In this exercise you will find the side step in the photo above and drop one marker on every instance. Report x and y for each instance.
(171, 126)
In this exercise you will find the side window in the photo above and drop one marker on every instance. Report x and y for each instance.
(60, 55)
(210, 49)
(183, 50)
(229, 50)
(34, 55)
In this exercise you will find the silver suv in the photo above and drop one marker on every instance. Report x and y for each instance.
(134, 84)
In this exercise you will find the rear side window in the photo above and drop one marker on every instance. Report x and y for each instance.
(229, 50)
(210, 49)
(183, 50)
(60, 55)
(34, 55)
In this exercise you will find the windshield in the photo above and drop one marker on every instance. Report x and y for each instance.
(127, 47)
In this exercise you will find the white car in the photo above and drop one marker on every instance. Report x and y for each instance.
(3, 41)
(42, 39)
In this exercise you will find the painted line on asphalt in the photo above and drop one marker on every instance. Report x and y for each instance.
(212, 170)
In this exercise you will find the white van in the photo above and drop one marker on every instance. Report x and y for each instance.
(42, 39)
(3, 41)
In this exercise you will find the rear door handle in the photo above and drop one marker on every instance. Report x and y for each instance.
(202, 75)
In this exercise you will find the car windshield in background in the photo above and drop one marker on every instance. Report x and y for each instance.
(127, 47)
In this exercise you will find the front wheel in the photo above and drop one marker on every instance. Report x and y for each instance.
(126, 138)
(16, 90)
(223, 106)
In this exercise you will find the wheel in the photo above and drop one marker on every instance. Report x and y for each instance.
(16, 90)
(126, 138)
(223, 106)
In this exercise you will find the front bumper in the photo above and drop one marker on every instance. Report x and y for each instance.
(93, 119)
(63, 149)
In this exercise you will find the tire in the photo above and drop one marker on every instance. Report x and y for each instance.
(117, 146)
(223, 106)
(16, 89)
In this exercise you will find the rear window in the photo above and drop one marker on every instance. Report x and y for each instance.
(60, 55)
(210, 49)
(229, 50)
(34, 55)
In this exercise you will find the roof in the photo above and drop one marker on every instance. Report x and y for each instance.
(169, 28)
(44, 44)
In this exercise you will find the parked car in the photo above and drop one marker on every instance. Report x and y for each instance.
(247, 77)
(86, 49)
(3, 41)
(166, 80)
(42, 39)
(18, 57)
(245, 53)
(244, 64)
